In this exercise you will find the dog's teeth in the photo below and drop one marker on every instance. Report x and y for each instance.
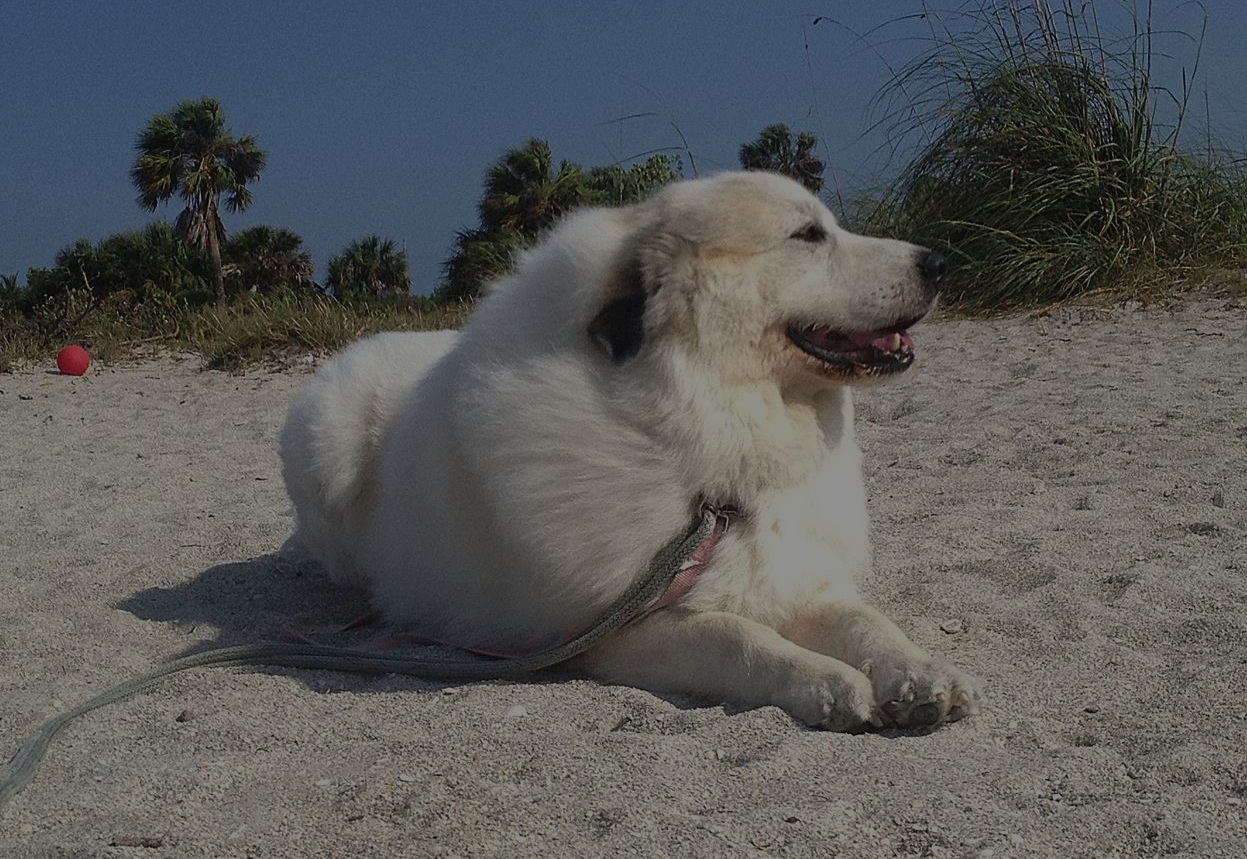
(896, 342)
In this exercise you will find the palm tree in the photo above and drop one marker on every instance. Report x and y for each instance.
(523, 191)
(171, 267)
(369, 266)
(524, 195)
(619, 186)
(481, 256)
(189, 152)
(778, 151)
(264, 259)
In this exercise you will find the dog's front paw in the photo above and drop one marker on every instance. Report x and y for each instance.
(922, 691)
(838, 699)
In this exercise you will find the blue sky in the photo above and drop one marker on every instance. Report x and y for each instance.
(380, 117)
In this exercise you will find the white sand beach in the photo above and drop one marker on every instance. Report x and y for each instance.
(1059, 505)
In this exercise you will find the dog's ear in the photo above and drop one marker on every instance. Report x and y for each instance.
(619, 327)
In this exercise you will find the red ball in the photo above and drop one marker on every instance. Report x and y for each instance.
(73, 360)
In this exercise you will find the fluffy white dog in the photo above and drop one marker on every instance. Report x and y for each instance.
(499, 487)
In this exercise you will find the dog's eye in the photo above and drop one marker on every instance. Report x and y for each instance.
(811, 232)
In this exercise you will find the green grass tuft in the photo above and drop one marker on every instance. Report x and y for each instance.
(274, 329)
(278, 329)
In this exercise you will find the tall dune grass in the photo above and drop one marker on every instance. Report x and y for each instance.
(1055, 164)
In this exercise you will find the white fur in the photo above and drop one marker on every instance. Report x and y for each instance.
(500, 487)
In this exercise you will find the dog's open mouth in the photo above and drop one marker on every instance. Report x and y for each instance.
(858, 353)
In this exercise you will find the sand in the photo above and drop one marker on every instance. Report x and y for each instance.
(1059, 504)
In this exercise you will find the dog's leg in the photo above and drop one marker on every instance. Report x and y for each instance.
(911, 686)
(724, 657)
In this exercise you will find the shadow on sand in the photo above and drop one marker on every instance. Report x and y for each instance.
(244, 602)
(270, 599)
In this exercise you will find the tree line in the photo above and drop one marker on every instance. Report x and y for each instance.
(525, 193)
(1041, 169)
(189, 154)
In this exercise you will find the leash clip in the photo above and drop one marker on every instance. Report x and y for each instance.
(723, 515)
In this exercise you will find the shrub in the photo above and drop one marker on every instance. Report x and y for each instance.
(1049, 173)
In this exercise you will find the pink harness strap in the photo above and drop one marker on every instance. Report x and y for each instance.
(689, 571)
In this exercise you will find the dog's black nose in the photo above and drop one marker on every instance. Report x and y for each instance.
(932, 267)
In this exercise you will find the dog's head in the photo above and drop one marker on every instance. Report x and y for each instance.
(749, 275)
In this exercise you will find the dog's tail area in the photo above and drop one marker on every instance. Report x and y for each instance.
(322, 463)
(331, 443)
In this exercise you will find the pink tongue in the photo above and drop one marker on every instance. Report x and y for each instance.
(875, 340)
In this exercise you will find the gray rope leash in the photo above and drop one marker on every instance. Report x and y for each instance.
(641, 594)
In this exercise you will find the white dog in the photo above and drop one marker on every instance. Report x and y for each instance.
(499, 487)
